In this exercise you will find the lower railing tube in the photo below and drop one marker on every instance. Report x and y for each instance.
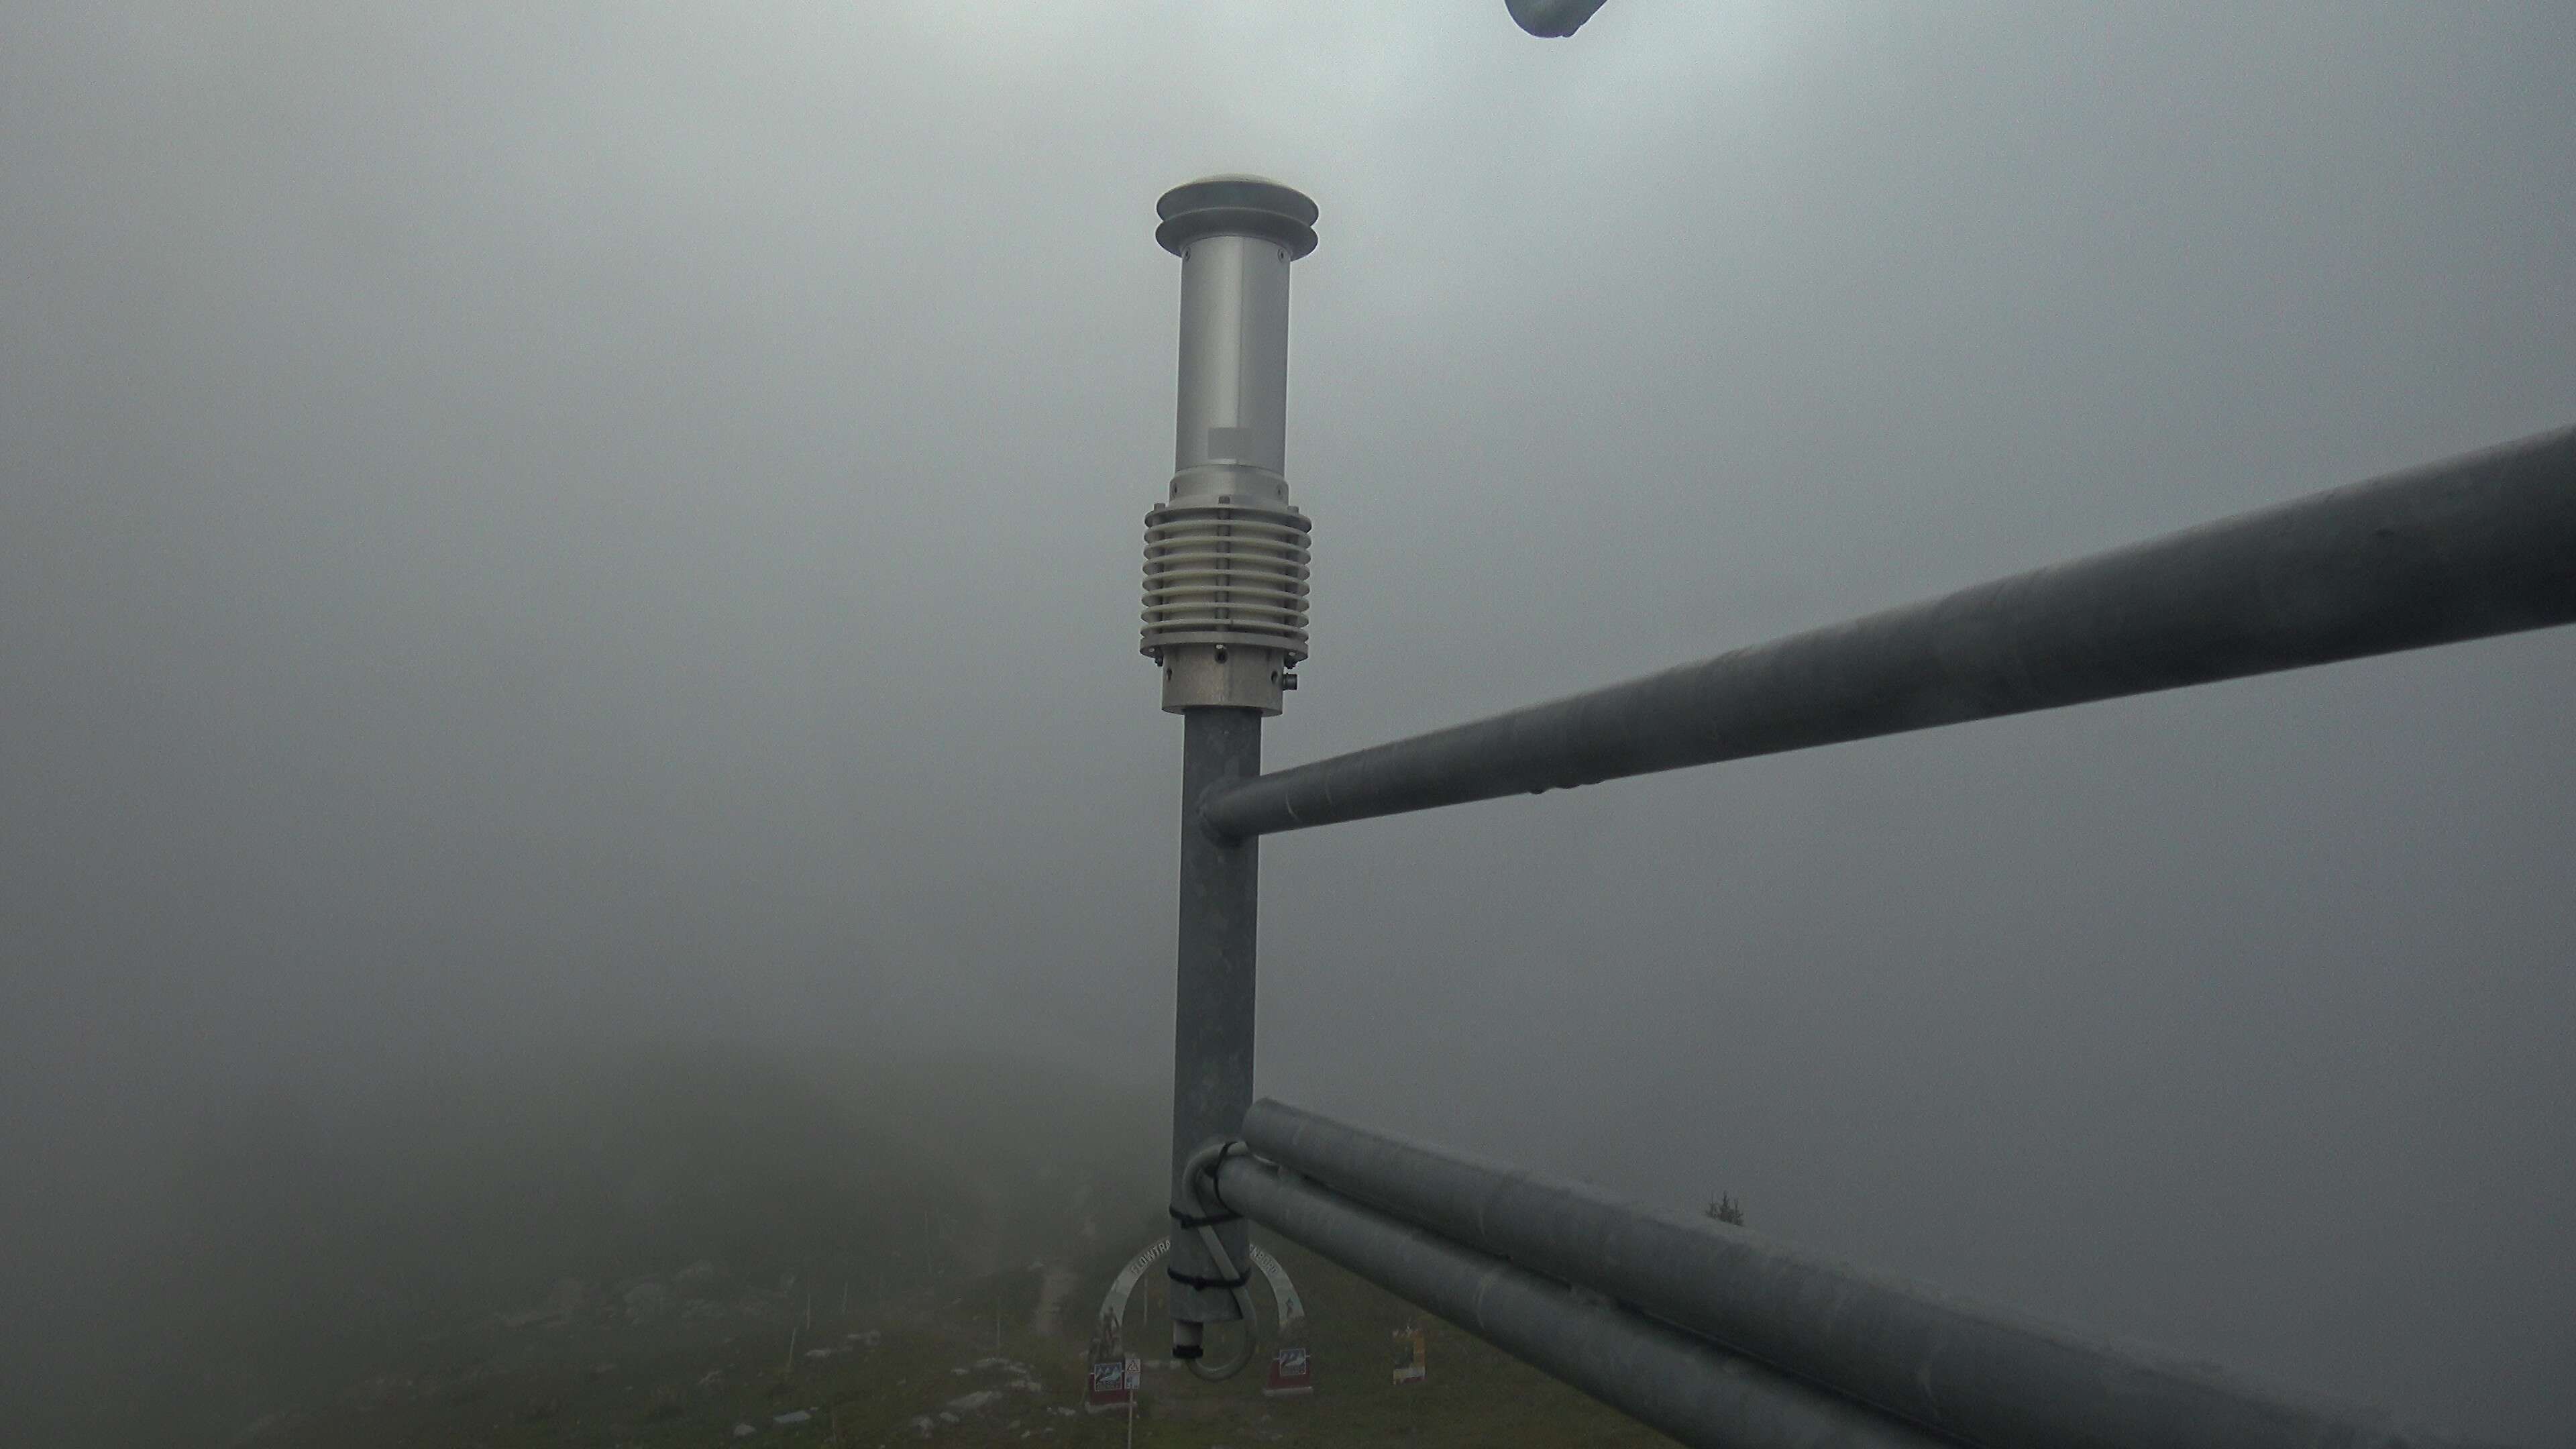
(1975, 1374)
(1684, 1386)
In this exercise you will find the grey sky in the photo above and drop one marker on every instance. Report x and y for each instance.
(524, 524)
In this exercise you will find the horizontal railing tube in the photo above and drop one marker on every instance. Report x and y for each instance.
(1975, 1374)
(2478, 545)
(1690, 1389)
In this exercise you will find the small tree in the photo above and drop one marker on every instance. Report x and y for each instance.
(1726, 1210)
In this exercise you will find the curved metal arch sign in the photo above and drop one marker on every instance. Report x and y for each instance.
(1110, 1328)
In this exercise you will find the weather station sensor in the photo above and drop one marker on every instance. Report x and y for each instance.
(1225, 556)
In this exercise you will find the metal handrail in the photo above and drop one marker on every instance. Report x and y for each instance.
(1968, 1372)
(1697, 1391)
(2476, 545)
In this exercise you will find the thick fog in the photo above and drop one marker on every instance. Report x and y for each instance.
(535, 531)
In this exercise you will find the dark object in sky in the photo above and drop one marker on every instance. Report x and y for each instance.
(1552, 19)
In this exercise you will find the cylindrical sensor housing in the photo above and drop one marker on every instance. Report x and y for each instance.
(1225, 558)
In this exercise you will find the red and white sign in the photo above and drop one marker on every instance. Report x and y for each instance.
(1114, 1384)
(1291, 1372)
(1412, 1363)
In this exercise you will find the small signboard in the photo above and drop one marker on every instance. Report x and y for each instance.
(1113, 1384)
(1291, 1372)
(1411, 1364)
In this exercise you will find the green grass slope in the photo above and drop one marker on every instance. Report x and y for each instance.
(682, 1249)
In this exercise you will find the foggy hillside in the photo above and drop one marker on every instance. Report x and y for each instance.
(653, 1249)
(306, 1245)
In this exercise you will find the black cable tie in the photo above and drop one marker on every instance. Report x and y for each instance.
(1193, 1280)
(1213, 1193)
(1185, 1220)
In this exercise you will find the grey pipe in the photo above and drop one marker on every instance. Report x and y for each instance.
(1690, 1389)
(1212, 1015)
(1979, 1375)
(2477, 545)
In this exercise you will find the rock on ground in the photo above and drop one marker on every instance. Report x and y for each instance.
(647, 1302)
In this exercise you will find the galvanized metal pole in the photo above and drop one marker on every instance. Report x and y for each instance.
(1225, 586)
(2461, 549)
(1213, 1014)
